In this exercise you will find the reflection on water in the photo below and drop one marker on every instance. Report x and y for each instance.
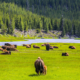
(43, 41)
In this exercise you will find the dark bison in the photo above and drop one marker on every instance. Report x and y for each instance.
(72, 47)
(4, 47)
(35, 46)
(7, 44)
(47, 47)
(7, 52)
(39, 66)
(55, 47)
(65, 54)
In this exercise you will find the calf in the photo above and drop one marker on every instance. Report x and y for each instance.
(45, 69)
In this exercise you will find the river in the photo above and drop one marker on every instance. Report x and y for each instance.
(42, 41)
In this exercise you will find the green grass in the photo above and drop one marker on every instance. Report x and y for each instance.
(20, 64)
(5, 38)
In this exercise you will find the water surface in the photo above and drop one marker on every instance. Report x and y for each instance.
(42, 41)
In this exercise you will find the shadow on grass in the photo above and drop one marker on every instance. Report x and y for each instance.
(33, 75)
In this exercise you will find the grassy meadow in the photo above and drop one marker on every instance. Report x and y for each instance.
(6, 38)
(20, 64)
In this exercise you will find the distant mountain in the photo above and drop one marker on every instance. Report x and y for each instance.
(51, 8)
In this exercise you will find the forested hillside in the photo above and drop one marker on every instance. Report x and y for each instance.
(12, 16)
(70, 9)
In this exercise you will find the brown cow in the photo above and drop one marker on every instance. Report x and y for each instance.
(15, 46)
(9, 48)
(51, 47)
(45, 69)
(1, 49)
(24, 44)
(4, 47)
(7, 44)
(65, 54)
(7, 52)
(72, 47)
(55, 47)
(4, 50)
(43, 44)
(35, 46)
(39, 66)
(28, 46)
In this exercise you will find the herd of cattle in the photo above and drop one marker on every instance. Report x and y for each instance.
(40, 67)
(7, 48)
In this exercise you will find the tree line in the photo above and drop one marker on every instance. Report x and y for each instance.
(12, 16)
(51, 8)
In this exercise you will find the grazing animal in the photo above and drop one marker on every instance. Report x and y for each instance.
(51, 47)
(9, 48)
(4, 50)
(7, 44)
(72, 47)
(65, 54)
(43, 44)
(4, 47)
(7, 52)
(15, 46)
(28, 46)
(45, 69)
(24, 44)
(1, 49)
(47, 47)
(35, 46)
(55, 47)
(39, 66)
